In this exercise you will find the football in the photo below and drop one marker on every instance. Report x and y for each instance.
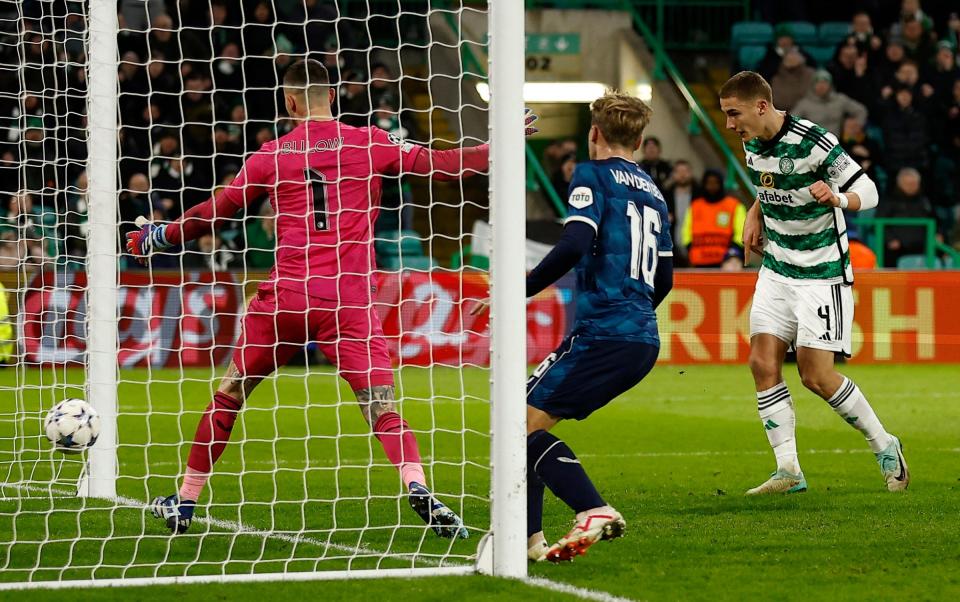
(72, 425)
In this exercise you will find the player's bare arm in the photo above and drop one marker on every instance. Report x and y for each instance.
(753, 232)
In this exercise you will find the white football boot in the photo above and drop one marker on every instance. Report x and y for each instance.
(781, 481)
(591, 526)
(894, 466)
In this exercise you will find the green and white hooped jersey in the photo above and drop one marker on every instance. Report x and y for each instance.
(806, 242)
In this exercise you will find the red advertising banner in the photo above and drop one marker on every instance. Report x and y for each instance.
(172, 320)
(165, 320)
(426, 318)
(899, 317)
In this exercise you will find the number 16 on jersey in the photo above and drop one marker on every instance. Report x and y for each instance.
(644, 230)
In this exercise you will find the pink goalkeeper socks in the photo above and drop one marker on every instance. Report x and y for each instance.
(400, 445)
(193, 484)
(211, 439)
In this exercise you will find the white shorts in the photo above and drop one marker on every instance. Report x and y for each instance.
(807, 315)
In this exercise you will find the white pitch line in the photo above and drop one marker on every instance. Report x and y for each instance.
(573, 590)
(244, 529)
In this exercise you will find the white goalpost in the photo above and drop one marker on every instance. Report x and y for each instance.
(169, 99)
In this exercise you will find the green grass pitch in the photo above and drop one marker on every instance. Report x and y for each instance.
(674, 455)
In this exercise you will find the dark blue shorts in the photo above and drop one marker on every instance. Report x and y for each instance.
(583, 375)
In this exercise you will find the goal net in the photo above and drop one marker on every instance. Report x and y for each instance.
(148, 112)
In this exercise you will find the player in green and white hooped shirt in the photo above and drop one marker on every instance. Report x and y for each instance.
(803, 297)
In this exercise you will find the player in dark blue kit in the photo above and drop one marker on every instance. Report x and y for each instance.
(618, 238)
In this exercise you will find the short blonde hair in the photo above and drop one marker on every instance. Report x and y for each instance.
(620, 117)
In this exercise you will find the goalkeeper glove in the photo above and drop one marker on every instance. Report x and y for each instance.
(528, 118)
(150, 238)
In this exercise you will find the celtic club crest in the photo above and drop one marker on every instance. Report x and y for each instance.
(786, 166)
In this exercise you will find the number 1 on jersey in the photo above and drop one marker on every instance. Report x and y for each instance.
(643, 242)
(318, 192)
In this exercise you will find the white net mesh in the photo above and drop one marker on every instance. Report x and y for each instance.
(303, 485)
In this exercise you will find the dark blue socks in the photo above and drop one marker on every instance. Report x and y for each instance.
(553, 464)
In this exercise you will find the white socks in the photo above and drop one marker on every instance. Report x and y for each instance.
(780, 421)
(853, 407)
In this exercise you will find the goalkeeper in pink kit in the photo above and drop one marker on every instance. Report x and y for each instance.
(323, 180)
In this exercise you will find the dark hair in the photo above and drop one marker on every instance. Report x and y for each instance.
(305, 76)
(747, 85)
(652, 140)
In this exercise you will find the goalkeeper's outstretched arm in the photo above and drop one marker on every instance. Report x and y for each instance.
(203, 218)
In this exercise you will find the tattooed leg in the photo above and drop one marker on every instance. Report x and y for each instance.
(375, 402)
(399, 442)
(237, 385)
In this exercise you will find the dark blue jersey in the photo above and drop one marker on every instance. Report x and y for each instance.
(615, 280)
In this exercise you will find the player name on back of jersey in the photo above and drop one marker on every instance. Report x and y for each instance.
(300, 146)
(634, 180)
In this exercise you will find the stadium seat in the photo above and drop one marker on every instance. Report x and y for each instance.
(803, 32)
(917, 262)
(750, 56)
(750, 33)
(833, 32)
(821, 54)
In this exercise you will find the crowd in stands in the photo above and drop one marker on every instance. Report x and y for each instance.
(891, 93)
(197, 93)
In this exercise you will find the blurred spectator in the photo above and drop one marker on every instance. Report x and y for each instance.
(905, 201)
(952, 126)
(209, 252)
(555, 152)
(261, 235)
(863, 37)
(952, 34)
(893, 55)
(918, 43)
(383, 88)
(782, 45)
(162, 38)
(228, 70)
(655, 166)
(564, 174)
(904, 133)
(354, 99)
(910, 12)
(679, 192)
(863, 149)
(134, 202)
(827, 108)
(908, 76)
(943, 73)
(75, 219)
(792, 80)
(224, 30)
(853, 77)
(714, 224)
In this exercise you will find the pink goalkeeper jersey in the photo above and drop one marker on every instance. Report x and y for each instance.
(323, 179)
